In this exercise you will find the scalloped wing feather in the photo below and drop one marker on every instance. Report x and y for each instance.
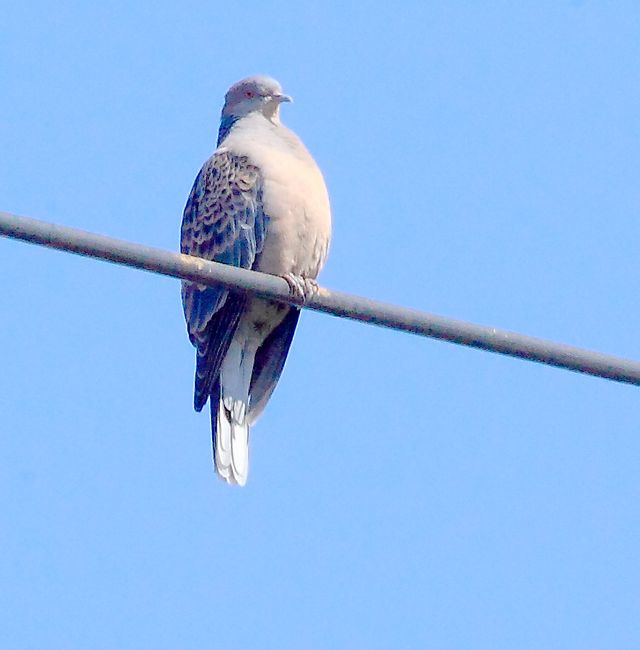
(224, 222)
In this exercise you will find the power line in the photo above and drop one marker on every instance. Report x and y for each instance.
(339, 304)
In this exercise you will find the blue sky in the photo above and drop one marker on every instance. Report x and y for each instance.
(482, 161)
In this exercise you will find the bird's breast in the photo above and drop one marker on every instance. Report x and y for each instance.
(294, 198)
(296, 203)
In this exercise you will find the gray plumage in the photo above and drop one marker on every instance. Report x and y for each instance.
(260, 203)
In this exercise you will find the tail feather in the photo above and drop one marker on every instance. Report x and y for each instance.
(231, 441)
(220, 437)
(229, 421)
(230, 444)
(240, 450)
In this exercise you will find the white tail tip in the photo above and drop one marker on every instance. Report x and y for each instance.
(231, 442)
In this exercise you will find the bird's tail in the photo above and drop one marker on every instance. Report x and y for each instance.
(230, 440)
(229, 417)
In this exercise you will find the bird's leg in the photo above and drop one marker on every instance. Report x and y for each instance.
(311, 289)
(302, 289)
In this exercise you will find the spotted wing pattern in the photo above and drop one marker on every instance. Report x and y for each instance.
(223, 221)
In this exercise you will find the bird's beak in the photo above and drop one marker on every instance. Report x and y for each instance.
(282, 98)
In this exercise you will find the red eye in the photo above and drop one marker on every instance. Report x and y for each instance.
(248, 93)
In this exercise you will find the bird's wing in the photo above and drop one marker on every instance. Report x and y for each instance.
(269, 363)
(223, 221)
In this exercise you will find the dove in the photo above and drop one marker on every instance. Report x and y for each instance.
(259, 202)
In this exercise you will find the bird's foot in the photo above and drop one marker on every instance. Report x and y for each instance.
(301, 289)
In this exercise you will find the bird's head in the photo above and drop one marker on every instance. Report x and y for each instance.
(254, 94)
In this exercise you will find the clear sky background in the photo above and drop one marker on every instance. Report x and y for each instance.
(482, 160)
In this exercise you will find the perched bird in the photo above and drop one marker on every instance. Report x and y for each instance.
(259, 202)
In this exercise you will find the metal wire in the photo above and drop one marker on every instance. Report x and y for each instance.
(332, 302)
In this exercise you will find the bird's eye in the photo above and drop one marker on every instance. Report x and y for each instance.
(249, 93)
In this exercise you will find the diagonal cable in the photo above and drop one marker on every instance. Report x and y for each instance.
(339, 304)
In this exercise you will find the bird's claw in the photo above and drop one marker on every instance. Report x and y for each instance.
(301, 289)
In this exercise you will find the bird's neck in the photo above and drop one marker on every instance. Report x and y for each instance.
(226, 124)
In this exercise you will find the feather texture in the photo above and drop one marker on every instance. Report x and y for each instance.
(258, 203)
